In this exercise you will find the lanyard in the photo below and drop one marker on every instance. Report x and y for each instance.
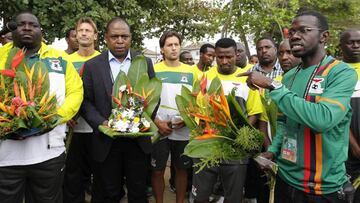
(310, 78)
(308, 82)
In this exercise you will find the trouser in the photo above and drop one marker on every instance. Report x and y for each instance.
(256, 183)
(284, 193)
(39, 183)
(232, 176)
(78, 168)
(125, 159)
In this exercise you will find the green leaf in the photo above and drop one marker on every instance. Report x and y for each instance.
(201, 148)
(196, 87)
(271, 112)
(137, 68)
(113, 134)
(187, 95)
(120, 80)
(215, 86)
(182, 104)
(237, 113)
(153, 127)
(36, 121)
(154, 86)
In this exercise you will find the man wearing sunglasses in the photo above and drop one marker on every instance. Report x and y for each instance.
(311, 141)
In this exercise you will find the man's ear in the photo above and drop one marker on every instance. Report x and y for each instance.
(324, 36)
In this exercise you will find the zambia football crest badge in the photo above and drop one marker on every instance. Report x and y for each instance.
(316, 86)
(55, 65)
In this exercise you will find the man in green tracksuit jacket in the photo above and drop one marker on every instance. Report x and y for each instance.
(312, 137)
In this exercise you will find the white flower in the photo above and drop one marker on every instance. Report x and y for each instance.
(131, 101)
(134, 129)
(120, 125)
(122, 88)
(131, 113)
(110, 122)
(145, 122)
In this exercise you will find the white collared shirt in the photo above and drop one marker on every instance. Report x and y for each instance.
(116, 66)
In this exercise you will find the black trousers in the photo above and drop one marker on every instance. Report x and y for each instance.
(125, 159)
(78, 168)
(256, 183)
(39, 183)
(285, 193)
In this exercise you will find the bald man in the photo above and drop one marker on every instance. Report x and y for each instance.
(286, 58)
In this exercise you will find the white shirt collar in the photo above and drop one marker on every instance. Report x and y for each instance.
(112, 57)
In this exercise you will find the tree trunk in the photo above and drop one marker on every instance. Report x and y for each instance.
(228, 21)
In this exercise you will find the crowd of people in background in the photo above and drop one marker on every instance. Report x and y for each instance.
(316, 145)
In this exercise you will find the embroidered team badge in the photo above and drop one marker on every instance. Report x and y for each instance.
(315, 87)
(55, 65)
(184, 79)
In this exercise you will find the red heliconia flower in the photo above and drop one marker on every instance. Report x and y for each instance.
(17, 102)
(286, 33)
(203, 84)
(8, 73)
(19, 56)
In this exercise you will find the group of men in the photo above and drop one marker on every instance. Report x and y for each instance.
(316, 128)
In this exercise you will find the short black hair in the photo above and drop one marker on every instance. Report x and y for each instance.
(345, 32)
(183, 53)
(67, 33)
(168, 34)
(203, 48)
(225, 43)
(116, 19)
(266, 38)
(322, 21)
(253, 56)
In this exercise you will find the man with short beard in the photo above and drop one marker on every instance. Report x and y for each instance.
(231, 173)
(286, 58)
(78, 160)
(35, 166)
(174, 133)
(312, 136)
(207, 56)
(186, 57)
(268, 66)
(350, 47)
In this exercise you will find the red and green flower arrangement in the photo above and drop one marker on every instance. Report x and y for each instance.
(134, 100)
(27, 107)
(219, 129)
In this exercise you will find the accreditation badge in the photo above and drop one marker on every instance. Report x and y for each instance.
(289, 149)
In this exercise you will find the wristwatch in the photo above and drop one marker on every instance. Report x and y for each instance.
(275, 85)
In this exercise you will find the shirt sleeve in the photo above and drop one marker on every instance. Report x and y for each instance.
(73, 93)
(276, 143)
(329, 109)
